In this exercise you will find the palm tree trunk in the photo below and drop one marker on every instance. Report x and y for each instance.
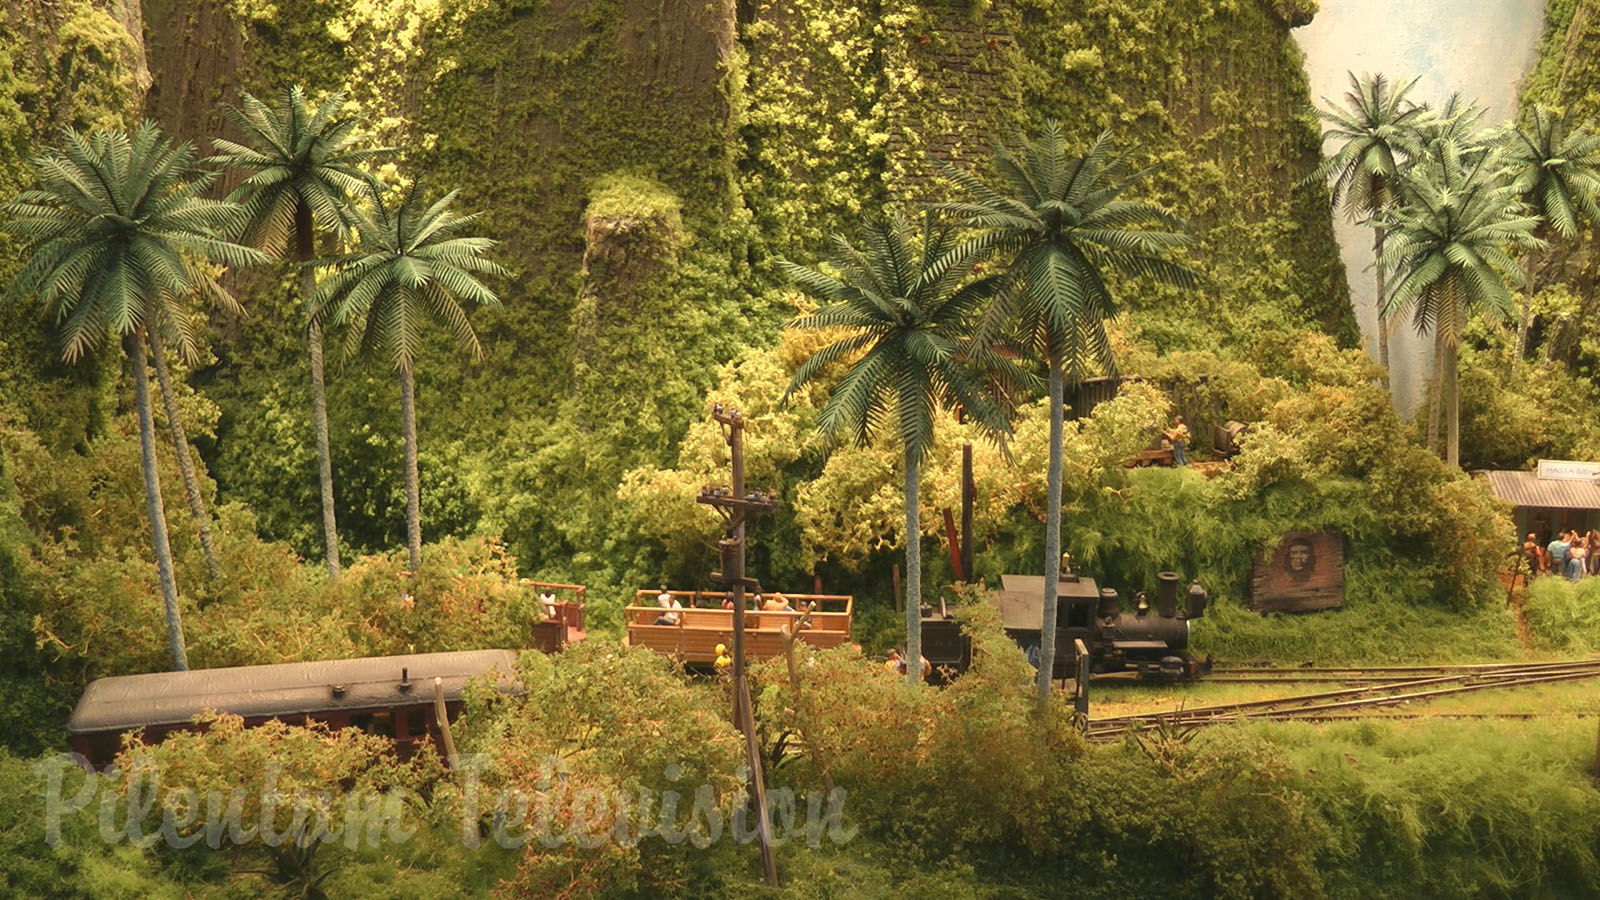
(1452, 399)
(180, 443)
(1052, 534)
(152, 493)
(408, 412)
(913, 571)
(1435, 387)
(1383, 320)
(1535, 269)
(319, 400)
(1524, 323)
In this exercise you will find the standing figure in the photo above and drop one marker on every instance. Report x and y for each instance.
(1178, 434)
(1556, 554)
(1533, 555)
(1577, 558)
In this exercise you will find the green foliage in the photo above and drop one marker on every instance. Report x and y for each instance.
(294, 153)
(99, 618)
(1514, 413)
(730, 143)
(766, 158)
(629, 331)
(1449, 242)
(1565, 70)
(1377, 131)
(1555, 163)
(1070, 228)
(1296, 13)
(288, 780)
(1563, 617)
(118, 238)
(415, 265)
(1430, 812)
(1155, 74)
(81, 867)
(617, 723)
(1562, 81)
(906, 305)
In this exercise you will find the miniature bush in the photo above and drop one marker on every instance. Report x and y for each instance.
(1563, 617)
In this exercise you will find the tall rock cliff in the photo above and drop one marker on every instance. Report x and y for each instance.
(771, 125)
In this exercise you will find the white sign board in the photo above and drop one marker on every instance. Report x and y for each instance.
(1568, 470)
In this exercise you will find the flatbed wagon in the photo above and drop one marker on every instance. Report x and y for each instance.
(698, 630)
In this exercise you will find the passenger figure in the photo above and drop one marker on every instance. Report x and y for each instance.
(897, 664)
(777, 603)
(1594, 552)
(548, 601)
(1534, 554)
(1577, 559)
(1556, 554)
(671, 609)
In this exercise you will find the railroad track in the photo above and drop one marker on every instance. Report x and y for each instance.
(1390, 686)
(1263, 674)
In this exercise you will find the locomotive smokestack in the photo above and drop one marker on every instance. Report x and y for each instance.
(1167, 594)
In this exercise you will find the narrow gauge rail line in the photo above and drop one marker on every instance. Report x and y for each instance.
(1343, 703)
(1395, 670)
(1374, 674)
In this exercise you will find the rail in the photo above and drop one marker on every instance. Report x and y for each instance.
(1394, 686)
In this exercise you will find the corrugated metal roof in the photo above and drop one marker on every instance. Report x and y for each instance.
(1528, 489)
(285, 689)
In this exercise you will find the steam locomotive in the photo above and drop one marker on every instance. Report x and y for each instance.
(1152, 641)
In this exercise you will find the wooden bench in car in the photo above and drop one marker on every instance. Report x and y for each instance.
(699, 630)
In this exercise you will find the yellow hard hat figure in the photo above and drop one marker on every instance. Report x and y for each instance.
(723, 659)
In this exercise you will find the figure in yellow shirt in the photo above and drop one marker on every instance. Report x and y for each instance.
(1178, 434)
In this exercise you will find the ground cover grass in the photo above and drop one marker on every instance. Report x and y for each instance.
(1370, 631)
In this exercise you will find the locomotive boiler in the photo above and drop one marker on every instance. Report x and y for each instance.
(1152, 640)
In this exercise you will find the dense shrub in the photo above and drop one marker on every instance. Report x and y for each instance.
(600, 736)
(1562, 616)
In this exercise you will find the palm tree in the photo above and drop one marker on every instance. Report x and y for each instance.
(119, 237)
(909, 302)
(1063, 218)
(414, 264)
(1450, 128)
(1377, 130)
(1556, 169)
(304, 170)
(1449, 241)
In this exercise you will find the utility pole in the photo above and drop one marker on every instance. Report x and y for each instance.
(734, 504)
